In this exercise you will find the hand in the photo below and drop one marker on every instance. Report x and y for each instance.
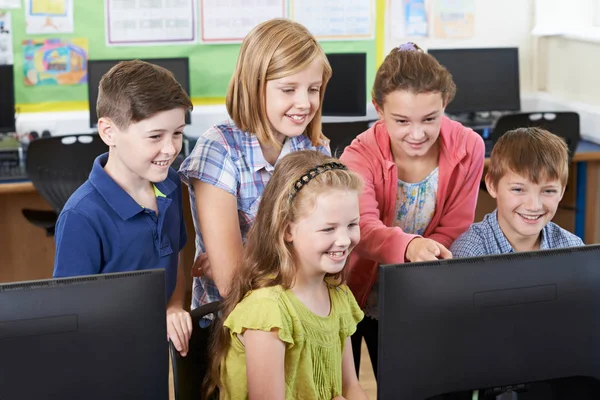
(179, 328)
(201, 267)
(421, 249)
(339, 398)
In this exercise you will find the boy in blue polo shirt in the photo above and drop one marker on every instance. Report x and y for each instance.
(527, 175)
(128, 215)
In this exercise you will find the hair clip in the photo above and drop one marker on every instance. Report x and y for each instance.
(313, 172)
(408, 46)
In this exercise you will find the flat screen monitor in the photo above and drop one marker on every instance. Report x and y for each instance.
(346, 92)
(90, 337)
(489, 322)
(7, 99)
(486, 79)
(97, 68)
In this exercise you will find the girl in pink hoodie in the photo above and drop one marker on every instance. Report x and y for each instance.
(422, 173)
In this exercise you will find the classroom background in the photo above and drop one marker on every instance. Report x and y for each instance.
(52, 55)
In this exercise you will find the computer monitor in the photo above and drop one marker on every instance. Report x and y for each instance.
(97, 68)
(91, 337)
(346, 92)
(488, 322)
(7, 99)
(486, 79)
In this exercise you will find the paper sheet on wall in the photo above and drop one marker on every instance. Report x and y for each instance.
(407, 18)
(55, 61)
(10, 4)
(48, 16)
(6, 50)
(229, 21)
(334, 19)
(453, 19)
(150, 22)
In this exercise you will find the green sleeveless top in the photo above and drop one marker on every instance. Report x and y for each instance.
(314, 344)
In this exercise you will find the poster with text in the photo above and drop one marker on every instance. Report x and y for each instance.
(55, 61)
(6, 49)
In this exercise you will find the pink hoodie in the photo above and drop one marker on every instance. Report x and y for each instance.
(461, 160)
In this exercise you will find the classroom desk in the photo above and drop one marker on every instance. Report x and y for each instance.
(27, 253)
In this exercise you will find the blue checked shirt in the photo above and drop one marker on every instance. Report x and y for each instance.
(486, 238)
(232, 160)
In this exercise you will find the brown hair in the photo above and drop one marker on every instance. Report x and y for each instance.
(274, 49)
(135, 90)
(268, 259)
(414, 71)
(530, 152)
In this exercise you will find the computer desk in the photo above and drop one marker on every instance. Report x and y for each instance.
(27, 253)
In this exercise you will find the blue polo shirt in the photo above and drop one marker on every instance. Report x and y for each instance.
(102, 229)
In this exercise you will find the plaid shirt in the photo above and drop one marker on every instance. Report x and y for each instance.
(232, 160)
(486, 238)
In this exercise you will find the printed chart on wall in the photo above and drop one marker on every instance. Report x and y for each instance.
(6, 49)
(335, 20)
(48, 16)
(158, 22)
(6, 4)
(230, 21)
(55, 61)
(453, 19)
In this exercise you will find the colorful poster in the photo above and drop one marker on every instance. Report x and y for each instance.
(6, 49)
(55, 61)
(415, 18)
(48, 16)
(454, 19)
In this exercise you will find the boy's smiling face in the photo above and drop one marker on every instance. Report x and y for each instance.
(525, 207)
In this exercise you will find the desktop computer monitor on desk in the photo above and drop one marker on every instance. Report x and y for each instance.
(487, 80)
(94, 337)
(97, 68)
(7, 99)
(489, 322)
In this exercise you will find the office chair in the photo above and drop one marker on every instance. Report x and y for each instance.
(564, 124)
(57, 166)
(341, 134)
(189, 371)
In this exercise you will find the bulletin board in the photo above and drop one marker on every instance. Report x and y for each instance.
(211, 65)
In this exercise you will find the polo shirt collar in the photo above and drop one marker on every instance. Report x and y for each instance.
(114, 195)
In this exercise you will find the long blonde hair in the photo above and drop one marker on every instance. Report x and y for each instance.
(274, 49)
(268, 259)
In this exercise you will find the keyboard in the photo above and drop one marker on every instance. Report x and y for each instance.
(10, 173)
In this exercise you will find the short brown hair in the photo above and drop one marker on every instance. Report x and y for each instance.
(414, 71)
(135, 90)
(273, 49)
(531, 152)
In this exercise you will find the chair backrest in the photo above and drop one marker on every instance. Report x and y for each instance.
(189, 371)
(564, 124)
(58, 165)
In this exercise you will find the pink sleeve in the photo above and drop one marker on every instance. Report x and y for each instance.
(459, 214)
(378, 242)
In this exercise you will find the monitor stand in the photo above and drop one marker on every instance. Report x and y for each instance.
(509, 395)
(475, 120)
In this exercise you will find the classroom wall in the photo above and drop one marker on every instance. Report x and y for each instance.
(506, 23)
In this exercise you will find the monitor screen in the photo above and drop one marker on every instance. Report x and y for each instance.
(7, 99)
(91, 337)
(97, 68)
(486, 79)
(488, 322)
(346, 92)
